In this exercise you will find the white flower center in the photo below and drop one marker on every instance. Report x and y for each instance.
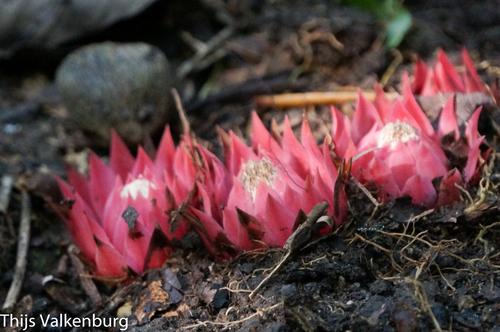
(254, 172)
(138, 186)
(395, 132)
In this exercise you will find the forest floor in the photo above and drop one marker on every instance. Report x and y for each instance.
(390, 267)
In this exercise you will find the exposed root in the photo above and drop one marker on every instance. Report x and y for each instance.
(227, 324)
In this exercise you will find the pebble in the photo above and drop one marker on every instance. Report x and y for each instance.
(112, 85)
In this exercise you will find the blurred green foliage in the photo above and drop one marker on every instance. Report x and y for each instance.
(392, 13)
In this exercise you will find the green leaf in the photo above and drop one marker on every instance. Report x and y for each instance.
(398, 27)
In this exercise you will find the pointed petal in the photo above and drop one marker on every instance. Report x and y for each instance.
(472, 81)
(108, 260)
(448, 192)
(142, 163)
(262, 139)
(341, 132)
(401, 114)
(310, 197)
(382, 103)
(102, 181)
(166, 152)
(296, 157)
(383, 176)
(76, 221)
(428, 152)
(240, 197)
(446, 77)
(471, 131)
(254, 227)
(448, 119)
(225, 141)
(121, 160)
(78, 182)
(235, 231)
(184, 167)
(136, 246)
(430, 87)
(308, 142)
(211, 230)
(278, 223)
(158, 249)
(420, 73)
(240, 153)
(421, 190)
(472, 160)
(401, 162)
(365, 117)
(414, 109)
(113, 210)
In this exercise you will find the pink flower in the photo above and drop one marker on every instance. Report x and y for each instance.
(443, 77)
(403, 153)
(119, 218)
(271, 182)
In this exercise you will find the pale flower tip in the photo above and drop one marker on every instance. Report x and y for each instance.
(137, 187)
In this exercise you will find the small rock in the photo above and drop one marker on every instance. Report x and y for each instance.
(405, 320)
(465, 302)
(221, 297)
(125, 310)
(290, 294)
(120, 86)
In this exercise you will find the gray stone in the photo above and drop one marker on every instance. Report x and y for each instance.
(111, 85)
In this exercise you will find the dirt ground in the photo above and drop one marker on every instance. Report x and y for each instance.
(393, 267)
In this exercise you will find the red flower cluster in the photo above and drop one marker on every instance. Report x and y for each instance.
(124, 217)
(402, 155)
(117, 217)
(443, 77)
(269, 183)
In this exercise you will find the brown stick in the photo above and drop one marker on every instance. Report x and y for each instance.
(315, 98)
(22, 252)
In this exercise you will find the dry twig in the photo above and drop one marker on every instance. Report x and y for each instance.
(22, 253)
(315, 98)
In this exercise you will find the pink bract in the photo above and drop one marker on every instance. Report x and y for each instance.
(401, 154)
(444, 78)
(271, 182)
(119, 218)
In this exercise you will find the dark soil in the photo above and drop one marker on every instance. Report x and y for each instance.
(385, 269)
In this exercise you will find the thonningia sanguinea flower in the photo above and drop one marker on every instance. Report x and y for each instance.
(271, 182)
(403, 153)
(120, 216)
(444, 78)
